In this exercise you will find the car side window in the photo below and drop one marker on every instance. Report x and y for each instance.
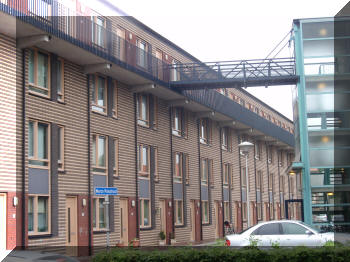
(268, 229)
(293, 229)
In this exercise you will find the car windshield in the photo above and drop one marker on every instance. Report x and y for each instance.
(312, 227)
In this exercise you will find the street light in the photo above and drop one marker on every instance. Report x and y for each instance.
(245, 148)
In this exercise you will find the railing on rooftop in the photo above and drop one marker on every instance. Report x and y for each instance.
(95, 35)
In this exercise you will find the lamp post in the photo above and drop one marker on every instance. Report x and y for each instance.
(245, 148)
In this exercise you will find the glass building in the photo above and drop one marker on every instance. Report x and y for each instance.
(321, 104)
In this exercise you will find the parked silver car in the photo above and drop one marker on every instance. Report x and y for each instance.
(280, 233)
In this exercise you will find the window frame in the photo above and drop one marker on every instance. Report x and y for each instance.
(177, 132)
(35, 214)
(35, 85)
(60, 160)
(95, 167)
(178, 168)
(116, 157)
(94, 33)
(224, 139)
(204, 163)
(142, 213)
(244, 210)
(179, 203)
(227, 216)
(204, 137)
(35, 144)
(115, 99)
(140, 120)
(94, 103)
(60, 94)
(96, 213)
(203, 204)
(226, 174)
(259, 207)
(141, 172)
(140, 41)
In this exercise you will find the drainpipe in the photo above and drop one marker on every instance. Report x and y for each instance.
(89, 162)
(23, 149)
(222, 182)
(240, 180)
(279, 181)
(200, 182)
(172, 173)
(256, 196)
(136, 171)
(268, 177)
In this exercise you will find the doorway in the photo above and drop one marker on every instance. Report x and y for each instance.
(71, 226)
(124, 240)
(3, 214)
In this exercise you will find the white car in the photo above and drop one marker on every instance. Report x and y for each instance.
(280, 233)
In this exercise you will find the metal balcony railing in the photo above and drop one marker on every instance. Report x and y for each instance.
(95, 35)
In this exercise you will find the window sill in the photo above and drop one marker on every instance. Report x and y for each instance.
(62, 102)
(179, 225)
(205, 224)
(116, 177)
(99, 113)
(146, 228)
(101, 231)
(61, 171)
(32, 93)
(41, 235)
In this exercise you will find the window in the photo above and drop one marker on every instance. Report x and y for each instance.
(178, 167)
(271, 181)
(281, 159)
(144, 160)
(99, 154)
(205, 212)
(259, 208)
(226, 174)
(272, 213)
(224, 139)
(244, 177)
(142, 53)
(268, 229)
(98, 30)
(115, 100)
(204, 171)
(39, 72)
(259, 180)
(293, 229)
(256, 110)
(143, 110)
(205, 131)
(179, 127)
(145, 213)
(121, 43)
(38, 143)
(179, 212)
(99, 211)
(60, 79)
(99, 94)
(227, 211)
(60, 148)
(38, 214)
(270, 155)
(116, 157)
(258, 150)
(241, 102)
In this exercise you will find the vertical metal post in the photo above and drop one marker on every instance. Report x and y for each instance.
(247, 182)
(106, 203)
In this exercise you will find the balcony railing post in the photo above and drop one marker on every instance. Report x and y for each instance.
(244, 75)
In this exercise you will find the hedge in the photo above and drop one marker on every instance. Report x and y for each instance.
(188, 254)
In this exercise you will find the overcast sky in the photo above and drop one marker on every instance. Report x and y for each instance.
(221, 30)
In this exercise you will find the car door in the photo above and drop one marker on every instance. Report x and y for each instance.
(297, 235)
(267, 234)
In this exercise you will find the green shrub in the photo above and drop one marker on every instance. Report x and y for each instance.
(206, 254)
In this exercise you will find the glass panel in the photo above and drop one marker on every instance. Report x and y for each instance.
(325, 102)
(43, 214)
(101, 92)
(102, 214)
(335, 214)
(317, 139)
(145, 159)
(94, 151)
(269, 229)
(42, 141)
(179, 212)
(144, 108)
(31, 66)
(31, 139)
(293, 229)
(31, 214)
(318, 29)
(43, 70)
(319, 48)
(59, 76)
(101, 151)
(205, 211)
(176, 121)
(146, 219)
(60, 133)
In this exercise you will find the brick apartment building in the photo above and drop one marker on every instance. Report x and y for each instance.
(85, 102)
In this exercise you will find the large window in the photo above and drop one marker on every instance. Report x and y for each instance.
(99, 94)
(39, 72)
(258, 150)
(144, 160)
(38, 143)
(244, 210)
(179, 127)
(205, 212)
(98, 30)
(143, 110)
(270, 155)
(226, 174)
(60, 79)
(142, 53)
(38, 214)
(271, 181)
(224, 138)
(99, 154)
(259, 208)
(60, 148)
(206, 171)
(179, 212)
(145, 213)
(227, 211)
(205, 131)
(99, 211)
(178, 174)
